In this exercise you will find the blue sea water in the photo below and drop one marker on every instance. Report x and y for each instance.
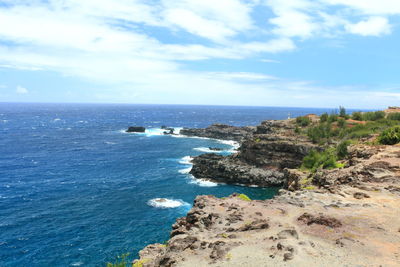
(75, 190)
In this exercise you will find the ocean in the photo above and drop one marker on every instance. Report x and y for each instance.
(76, 190)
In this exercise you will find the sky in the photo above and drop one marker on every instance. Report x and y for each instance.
(300, 53)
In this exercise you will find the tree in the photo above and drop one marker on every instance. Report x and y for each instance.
(342, 112)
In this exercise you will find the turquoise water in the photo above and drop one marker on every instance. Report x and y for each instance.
(75, 190)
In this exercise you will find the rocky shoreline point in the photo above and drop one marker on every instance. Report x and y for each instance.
(264, 153)
(221, 131)
(348, 216)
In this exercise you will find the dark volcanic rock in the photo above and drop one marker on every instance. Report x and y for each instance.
(136, 129)
(215, 148)
(229, 170)
(263, 154)
(220, 131)
(276, 145)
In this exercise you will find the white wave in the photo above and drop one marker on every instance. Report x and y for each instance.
(177, 130)
(208, 150)
(56, 119)
(109, 143)
(187, 160)
(79, 263)
(186, 170)
(235, 145)
(203, 182)
(148, 132)
(165, 203)
(154, 131)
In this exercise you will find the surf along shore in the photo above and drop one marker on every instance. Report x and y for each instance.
(339, 203)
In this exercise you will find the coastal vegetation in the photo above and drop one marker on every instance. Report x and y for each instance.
(390, 136)
(244, 197)
(121, 262)
(303, 121)
(316, 154)
(335, 132)
(326, 160)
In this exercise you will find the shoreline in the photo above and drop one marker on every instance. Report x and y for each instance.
(310, 222)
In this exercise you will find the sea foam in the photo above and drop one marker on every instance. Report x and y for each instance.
(186, 170)
(202, 182)
(187, 160)
(166, 203)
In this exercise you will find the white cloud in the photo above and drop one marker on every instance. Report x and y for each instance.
(265, 60)
(374, 26)
(21, 90)
(241, 76)
(113, 42)
(369, 7)
(214, 20)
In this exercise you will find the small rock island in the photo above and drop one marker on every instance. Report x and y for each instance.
(136, 129)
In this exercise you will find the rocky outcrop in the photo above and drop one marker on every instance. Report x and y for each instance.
(233, 171)
(220, 131)
(136, 129)
(275, 145)
(350, 222)
(168, 130)
(261, 159)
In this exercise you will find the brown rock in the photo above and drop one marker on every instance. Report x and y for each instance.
(321, 220)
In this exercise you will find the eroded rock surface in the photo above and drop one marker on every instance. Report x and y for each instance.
(349, 219)
(261, 158)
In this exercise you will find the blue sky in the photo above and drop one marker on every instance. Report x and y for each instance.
(305, 53)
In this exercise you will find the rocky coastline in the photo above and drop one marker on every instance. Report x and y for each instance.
(221, 131)
(346, 216)
(264, 152)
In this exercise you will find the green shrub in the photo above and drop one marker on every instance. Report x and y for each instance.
(341, 123)
(366, 130)
(320, 133)
(373, 116)
(303, 121)
(394, 116)
(315, 160)
(357, 116)
(120, 262)
(390, 136)
(333, 117)
(341, 149)
(244, 197)
(323, 117)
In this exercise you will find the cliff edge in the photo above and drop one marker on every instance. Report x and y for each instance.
(348, 218)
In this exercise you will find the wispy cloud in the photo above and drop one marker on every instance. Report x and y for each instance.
(373, 26)
(116, 42)
(21, 90)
